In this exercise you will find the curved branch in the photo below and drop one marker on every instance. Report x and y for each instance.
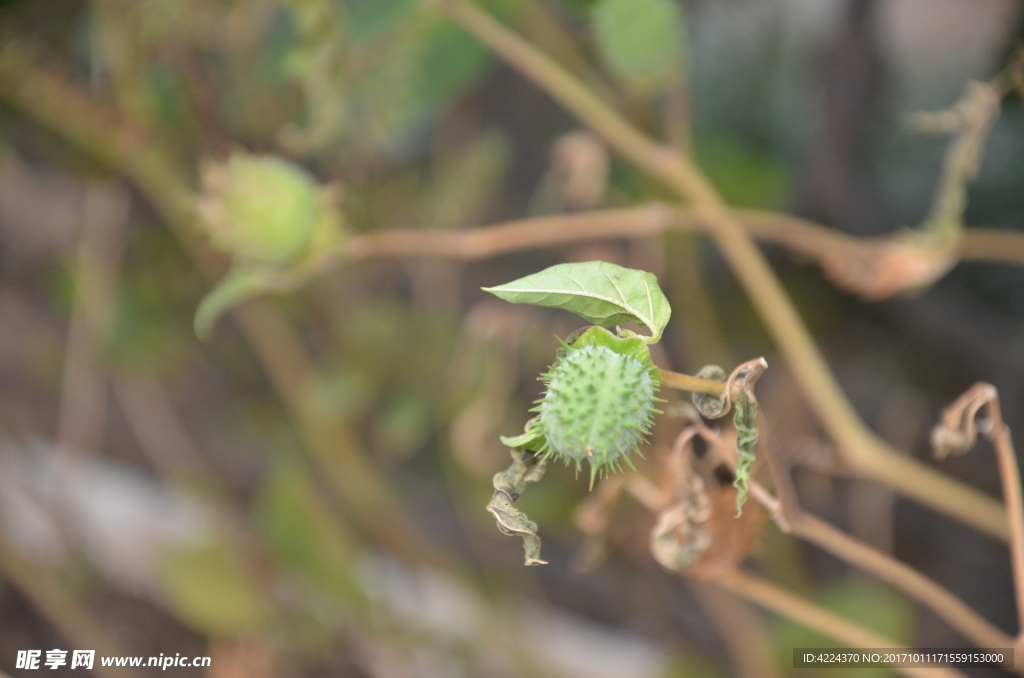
(771, 597)
(794, 520)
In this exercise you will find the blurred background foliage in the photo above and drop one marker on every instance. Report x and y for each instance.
(302, 494)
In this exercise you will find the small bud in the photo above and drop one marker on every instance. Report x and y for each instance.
(259, 209)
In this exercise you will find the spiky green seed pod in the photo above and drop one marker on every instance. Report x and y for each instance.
(599, 401)
(260, 209)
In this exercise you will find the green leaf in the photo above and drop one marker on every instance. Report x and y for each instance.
(640, 41)
(634, 347)
(208, 589)
(602, 293)
(532, 440)
(237, 286)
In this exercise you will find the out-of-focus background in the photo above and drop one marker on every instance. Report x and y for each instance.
(302, 494)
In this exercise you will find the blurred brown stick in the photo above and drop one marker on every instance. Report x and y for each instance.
(1009, 473)
(799, 235)
(83, 404)
(956, 434)
(159, 431)
(744, 634)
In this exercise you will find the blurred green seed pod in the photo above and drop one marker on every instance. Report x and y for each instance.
(259, 209)
(599, 402)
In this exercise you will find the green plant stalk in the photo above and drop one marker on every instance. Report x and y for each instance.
(686, 382)
(864, 452)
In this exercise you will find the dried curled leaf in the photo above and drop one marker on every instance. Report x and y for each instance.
(957, 433)
(879, 268)
(745, 420)
(508, 487)
(708, 405)
(681, 535)
(602, 293)
(700, 535)
(739, 395)
(742, 382)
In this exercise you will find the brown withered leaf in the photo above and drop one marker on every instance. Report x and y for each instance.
(882, 267)
(733, 538)
(957, 432)
(681, 535)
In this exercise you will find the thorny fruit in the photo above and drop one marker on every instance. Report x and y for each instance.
(599, 402)
(259, 209)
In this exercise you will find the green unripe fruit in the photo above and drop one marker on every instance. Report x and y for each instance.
(260, 209)
(598, 405)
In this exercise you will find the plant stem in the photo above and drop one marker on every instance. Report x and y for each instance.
(1009, 472)
(795, 608)
(743, 632)
(685, 382)
(473, 244)
(919, 587)
(865, 453)
(808, 527)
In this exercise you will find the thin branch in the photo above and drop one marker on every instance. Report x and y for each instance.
(808, 527)
(83, 403)
(481, 243)
(957, 434)
(799, 235)
(938, 599)
(1009, 472)
(789, 502)
(863, 451)
(685, 382)
(743, 632)
(994, 245)
(795, 608)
